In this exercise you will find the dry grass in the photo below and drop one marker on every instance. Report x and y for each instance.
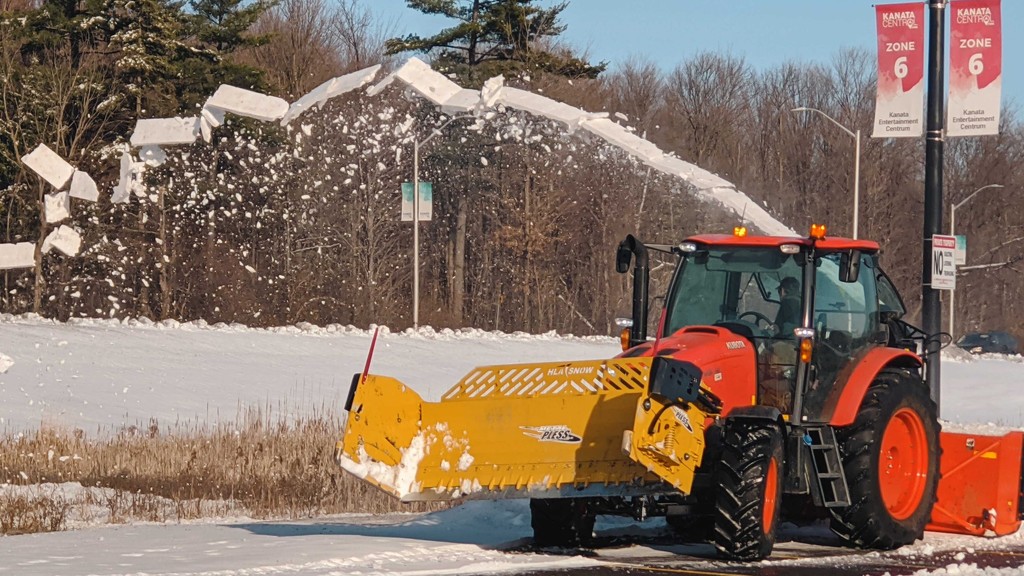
(261, 468)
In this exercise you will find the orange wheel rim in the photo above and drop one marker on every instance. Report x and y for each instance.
(771, 490)
(903, 463)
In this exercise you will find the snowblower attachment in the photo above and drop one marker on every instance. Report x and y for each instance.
(532, 430)
(980, 490)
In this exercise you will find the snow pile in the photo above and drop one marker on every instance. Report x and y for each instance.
(86, 507)
(399, 479)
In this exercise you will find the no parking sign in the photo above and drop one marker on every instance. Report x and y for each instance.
(943, 262)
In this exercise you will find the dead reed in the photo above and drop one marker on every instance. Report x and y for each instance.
(260, 467)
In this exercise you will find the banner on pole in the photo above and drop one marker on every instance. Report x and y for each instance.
(899, 104)
(426, 201)
(975, 68)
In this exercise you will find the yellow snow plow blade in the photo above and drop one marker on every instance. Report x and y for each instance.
(526, 430)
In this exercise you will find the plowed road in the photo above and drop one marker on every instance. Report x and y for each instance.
(796, 558)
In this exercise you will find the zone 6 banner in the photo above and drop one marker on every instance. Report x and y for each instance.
(899, 106)
(975, 68)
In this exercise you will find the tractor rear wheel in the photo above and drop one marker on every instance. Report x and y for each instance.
(748, 483)
(891, 461)
(562, 522)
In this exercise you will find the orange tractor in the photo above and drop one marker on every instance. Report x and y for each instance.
(782, 381)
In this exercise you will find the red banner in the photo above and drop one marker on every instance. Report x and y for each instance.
(975, 68)
(899, 106)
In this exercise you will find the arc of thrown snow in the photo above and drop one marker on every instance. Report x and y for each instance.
(452, 98)
(448, 95)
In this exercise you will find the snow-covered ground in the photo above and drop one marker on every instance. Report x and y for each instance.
(101, 375)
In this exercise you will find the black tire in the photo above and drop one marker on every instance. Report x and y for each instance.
(748, 482)
(889, 506)
(562, 522)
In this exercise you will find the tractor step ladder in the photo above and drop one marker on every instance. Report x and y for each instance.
(828, 466)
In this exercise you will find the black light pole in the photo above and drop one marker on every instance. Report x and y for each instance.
(933, 162)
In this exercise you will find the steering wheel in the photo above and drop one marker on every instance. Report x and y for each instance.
(758, 318)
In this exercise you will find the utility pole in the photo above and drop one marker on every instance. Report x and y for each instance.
(931, 310)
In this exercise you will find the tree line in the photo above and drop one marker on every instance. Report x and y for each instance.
(271, 225)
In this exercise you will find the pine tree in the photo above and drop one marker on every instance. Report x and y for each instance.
(224, 24)
(495, 37)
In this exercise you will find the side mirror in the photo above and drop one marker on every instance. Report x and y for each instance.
(623, 256)
(849, 266)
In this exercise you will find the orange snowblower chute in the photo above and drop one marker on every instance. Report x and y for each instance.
(980, 484)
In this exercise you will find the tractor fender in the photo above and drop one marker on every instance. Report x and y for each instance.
(767, 413)
(847, 402)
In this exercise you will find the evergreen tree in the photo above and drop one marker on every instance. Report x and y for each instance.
(224, 24)
(495, 37)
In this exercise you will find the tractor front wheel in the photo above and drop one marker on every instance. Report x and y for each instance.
(891, 461)
(562, 522)
(748, 483)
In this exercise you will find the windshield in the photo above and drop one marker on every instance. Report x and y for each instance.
(734, 286)
(760, 288)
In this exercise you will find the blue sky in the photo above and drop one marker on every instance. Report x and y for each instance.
(764, 33)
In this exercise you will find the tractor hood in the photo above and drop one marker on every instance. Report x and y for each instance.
(726, 360)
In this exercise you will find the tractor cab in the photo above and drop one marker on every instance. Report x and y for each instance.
(810, 308)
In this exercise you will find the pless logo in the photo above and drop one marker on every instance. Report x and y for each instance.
(559, 433)
(682, 417)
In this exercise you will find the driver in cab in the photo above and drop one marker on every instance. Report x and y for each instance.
(776, 366)
(788, 316)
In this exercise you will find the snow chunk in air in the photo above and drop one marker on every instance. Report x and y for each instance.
(152, 155)
(213, 116)
(129, 181)
(333, 87)
(464, 100)
(58, 207)
(49, 166)
(84, 187)
(247, 103)
(429, 83)
(66, 239)
(166, 131)
(544, 106)
(619, 136)
(20, 255)
(5, 363)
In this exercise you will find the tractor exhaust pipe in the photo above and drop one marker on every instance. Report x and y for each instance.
(628, 248)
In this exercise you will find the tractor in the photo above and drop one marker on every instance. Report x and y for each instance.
(782, 381)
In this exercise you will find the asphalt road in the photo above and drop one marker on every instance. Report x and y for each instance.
(814, 555)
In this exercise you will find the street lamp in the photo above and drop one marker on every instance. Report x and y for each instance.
(856, 161)
(952, 232)
(416, 214)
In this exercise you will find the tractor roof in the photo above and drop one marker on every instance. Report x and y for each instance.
(825, 244)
